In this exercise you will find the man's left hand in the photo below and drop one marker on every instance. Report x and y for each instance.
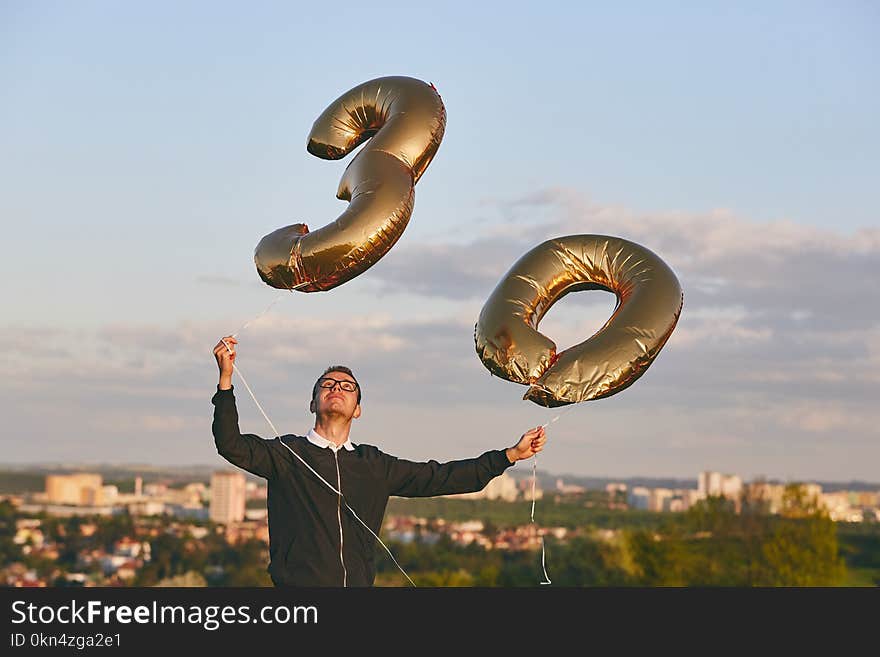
(531, 442)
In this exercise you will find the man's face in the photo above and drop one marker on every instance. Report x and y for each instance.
(333, 400)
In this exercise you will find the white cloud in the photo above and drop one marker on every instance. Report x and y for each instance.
(829, 418)
(717, 330)
(777, 267)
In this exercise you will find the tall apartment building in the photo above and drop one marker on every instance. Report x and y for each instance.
(717, 484)
(709, 483)
(84, 489)
(766, 495)
(227, 496)
(660, 499)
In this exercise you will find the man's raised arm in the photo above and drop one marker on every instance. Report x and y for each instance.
(247, 451)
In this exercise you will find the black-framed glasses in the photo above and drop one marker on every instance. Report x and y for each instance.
(329, 382)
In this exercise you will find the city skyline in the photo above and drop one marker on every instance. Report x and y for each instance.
(738, 145)
(170, 473)
(129, 538)
(226, 497)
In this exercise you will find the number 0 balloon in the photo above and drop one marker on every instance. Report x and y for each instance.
(649, 301)
(404, 120)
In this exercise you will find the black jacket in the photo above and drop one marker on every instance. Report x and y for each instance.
(305, 515)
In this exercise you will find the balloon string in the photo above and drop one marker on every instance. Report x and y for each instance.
(567, 410)
(534, 481)
(543, 550)
(325, 482)
(268, 308)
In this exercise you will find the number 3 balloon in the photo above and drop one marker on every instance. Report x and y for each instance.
(649, 301)
(404, 119)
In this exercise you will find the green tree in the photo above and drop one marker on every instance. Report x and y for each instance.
(802, 549)
(9, 550)
(585, 562)
(459, 577)
(657, 562)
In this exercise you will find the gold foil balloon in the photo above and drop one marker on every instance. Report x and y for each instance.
(404, 120)
(649, 301)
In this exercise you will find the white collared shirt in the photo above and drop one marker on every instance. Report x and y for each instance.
(317, 439)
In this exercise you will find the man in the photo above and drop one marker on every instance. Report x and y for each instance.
(314, 539)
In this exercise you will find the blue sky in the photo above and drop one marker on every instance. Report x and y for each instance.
(146, 148)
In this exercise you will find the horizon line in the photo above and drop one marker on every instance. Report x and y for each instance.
(181, 466)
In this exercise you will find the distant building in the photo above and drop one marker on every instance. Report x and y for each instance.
(69, 510)
(255, 491)
(110, 494)
(256, 514)
(616, 492)
(470, 531)
(765, 495)
(28, 532)
(709, 483)
(569, 489)
(812, 492)
(502, 487)
(187, 511)
(525, 487)
(147, 508)
(84, 489)
(691, 496)
(237, 532)
(156, 489)
(715, 484)
(660, 499)
(731, 487)
(639, 498)
(198, 492)
(227, 497)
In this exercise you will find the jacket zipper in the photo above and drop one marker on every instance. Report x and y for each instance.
(339, 518)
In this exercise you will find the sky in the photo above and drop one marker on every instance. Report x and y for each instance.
(146, 148)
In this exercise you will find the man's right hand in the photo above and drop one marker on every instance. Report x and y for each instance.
(225, 360)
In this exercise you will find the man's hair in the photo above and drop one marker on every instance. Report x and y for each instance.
(335, 368)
